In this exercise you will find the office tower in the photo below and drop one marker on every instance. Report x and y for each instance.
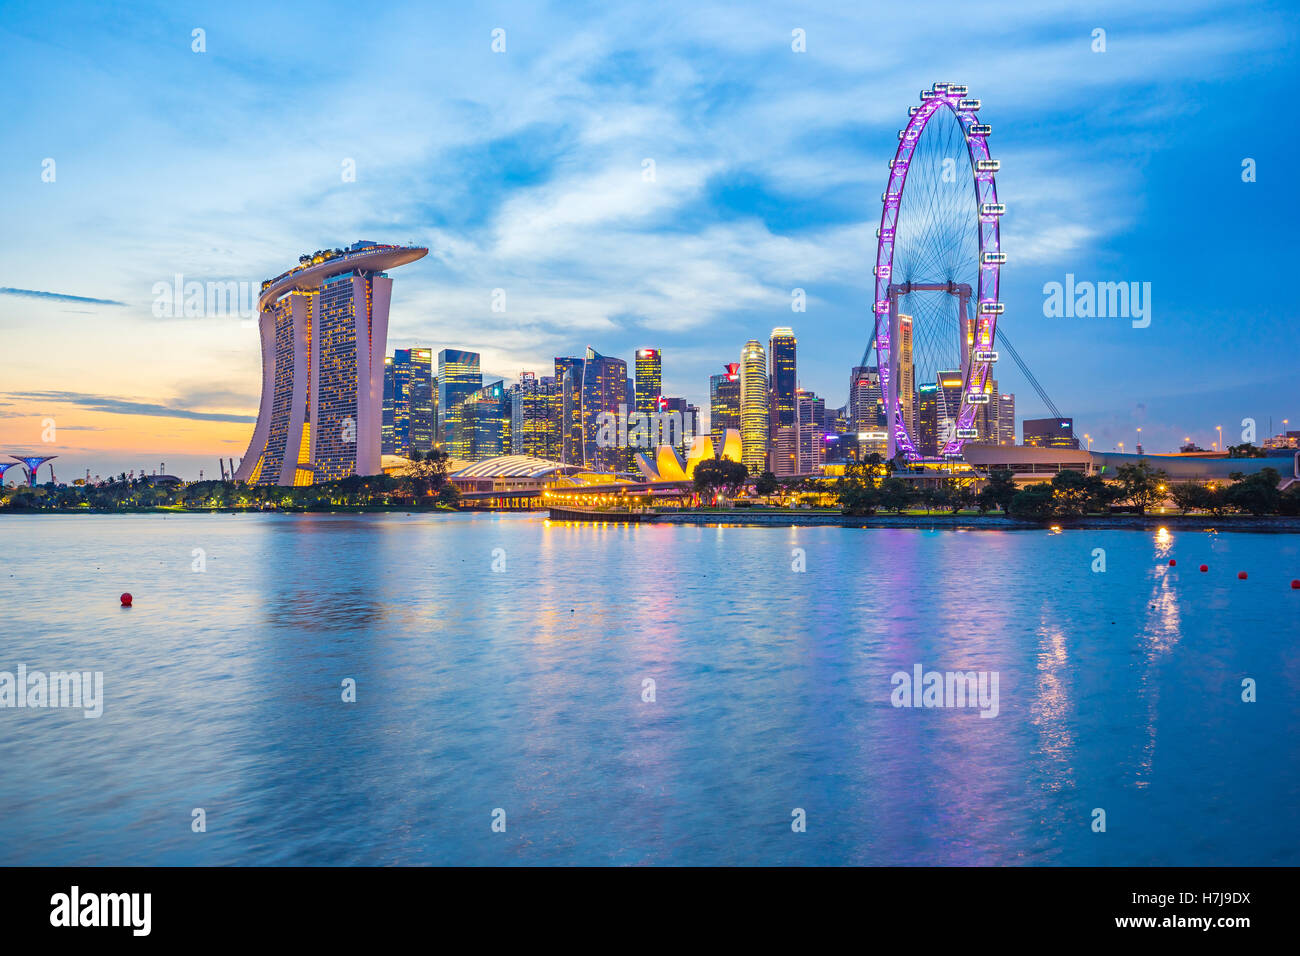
(782, 378)
(906, 373)
(690, 421)
(604, 389)
(866, 405)
(388, 440)
(324, 328)
(809, 416)
(535, 415)
(409, 422)
(568, 376)
(649, 380)
(458, 375)
(1050, 432)
(927, 420)
(423, 398)
(949, 406)
(753, 406)
(481, 424)
(724, 403)
(1006, 419)
(783, 450)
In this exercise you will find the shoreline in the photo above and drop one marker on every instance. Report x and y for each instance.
(1266, 524)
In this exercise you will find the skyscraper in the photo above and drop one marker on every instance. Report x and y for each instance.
(535, 417)
(782, 377)
(724, 404)
(409, 418)
(649, 379)
(1006, 419)
(948, 408)
(604, 389)
(324, 328)
(906, 373)
(865, 405)
(753, 406)
(482, 424)
(927, 420)
(810, 412)
(568, 377)
(458, 376)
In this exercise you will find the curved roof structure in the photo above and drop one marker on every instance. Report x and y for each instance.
(514, 466)
(305, 278)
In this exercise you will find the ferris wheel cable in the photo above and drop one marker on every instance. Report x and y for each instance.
(1001, 334)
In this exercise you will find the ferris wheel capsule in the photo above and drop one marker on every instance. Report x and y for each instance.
(980, 129)
(992, 308)
(969, 105)
(994, 258)
(985, 355)
(956, 89)
(993, 208)
(987, 165)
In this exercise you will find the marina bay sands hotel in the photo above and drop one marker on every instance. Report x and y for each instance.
(324, 328)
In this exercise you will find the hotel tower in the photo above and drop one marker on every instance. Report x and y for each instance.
(324, 328)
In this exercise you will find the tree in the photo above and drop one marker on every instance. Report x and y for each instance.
(1140, 485)
(1035, 502)
(1256, 493)
(896, 494)
(1245, 450)
(766, 485)
(1071, 495)
(999, 491)
(428, 472)
(856, 489)
(1187, 495)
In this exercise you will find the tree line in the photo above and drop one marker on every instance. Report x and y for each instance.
(423, 482)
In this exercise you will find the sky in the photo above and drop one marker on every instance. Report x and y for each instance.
(128, 157)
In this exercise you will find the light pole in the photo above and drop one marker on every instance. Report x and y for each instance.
(1089, 437)
(1218, 446)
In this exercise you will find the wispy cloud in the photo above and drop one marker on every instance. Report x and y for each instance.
(58, 296)
(122, 406)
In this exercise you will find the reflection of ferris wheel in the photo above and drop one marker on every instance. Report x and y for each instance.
(937, 267)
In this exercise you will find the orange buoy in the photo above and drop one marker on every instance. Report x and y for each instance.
(1205, 567)
(126, 599)
(1241, 575)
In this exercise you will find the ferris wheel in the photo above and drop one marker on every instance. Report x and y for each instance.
(938, 261)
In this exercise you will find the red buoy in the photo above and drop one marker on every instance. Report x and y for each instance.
(1205, 567)
(1172, 562)
(126, 599)
(1295, 585)
(1241, 575)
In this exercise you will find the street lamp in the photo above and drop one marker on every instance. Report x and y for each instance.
(1219, 443)
(1089, 437)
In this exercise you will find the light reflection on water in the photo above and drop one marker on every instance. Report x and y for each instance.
(523, 690)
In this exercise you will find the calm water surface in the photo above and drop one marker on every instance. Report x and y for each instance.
(522, 690)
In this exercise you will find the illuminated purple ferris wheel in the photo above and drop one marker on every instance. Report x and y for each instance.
(938, 260)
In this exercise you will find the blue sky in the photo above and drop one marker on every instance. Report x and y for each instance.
(522, 171)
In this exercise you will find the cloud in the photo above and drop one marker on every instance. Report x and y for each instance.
(58, 296)
(120, 406)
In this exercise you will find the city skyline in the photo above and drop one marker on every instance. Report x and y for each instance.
(699, 257)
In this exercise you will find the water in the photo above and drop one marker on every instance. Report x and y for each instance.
(522, 690)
